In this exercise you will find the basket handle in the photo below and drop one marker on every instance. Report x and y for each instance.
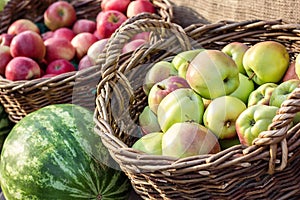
(277, 130)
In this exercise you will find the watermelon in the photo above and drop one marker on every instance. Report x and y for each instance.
(54, 153)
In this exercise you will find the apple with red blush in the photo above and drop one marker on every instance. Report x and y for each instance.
(108, 21)
(22, 68)
(84, 25)
(133, 45)
(5, 57)
(60, 14)
(65, 33)
(142, 35)
(290, 73)
(21, 25)
(60, 66)
(96, 49)
(58, 48)
(115, 5)
(85, 62)
(29, 44)
(82, 42)
(46, 35)
(5, 39)
(139, 6)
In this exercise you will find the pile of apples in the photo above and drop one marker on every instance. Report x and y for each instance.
(206, 100)
(69, 43)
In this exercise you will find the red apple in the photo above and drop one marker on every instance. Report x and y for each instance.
(133, 45)
(22, 68)
(82, 42)
(29, 44)
(96, 34)
(5, 39)
(57, 48)
(290, 72)
(108, 22)
(139, 6)
(59, 14)
(65, 33)
(21, 25)
(143, 35)
(115, 5)
(5, 57)
(48, 75)
(47, 35)
(96, 49)
(60, 66)
(84, 63)
(84, 25)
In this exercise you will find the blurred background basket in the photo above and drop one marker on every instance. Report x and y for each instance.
(22, 97)
(267, 170)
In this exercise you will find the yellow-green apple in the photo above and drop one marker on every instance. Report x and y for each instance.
(108, 21)
(22, 68)
(58, 48)
(148, 121)
(84, 25)
(182, 60)
(60, 14)
(212, 74)
(252, 121)
(96, 49)
(133, 45)
(85, 62)
(262, 94)
(266, 62)
(46, 35)
(5, 57)
(244, 89)
(82, 42)
(139, 6)
(5, 39)
(65, 33)
(189, 139)
(60, 66)
(115, 5)
(163, 88)
(297, 65)
(21, 25)
(281, 93)
(236, 51)
(158, 72)
(181, 105)
(290, 72)
(221, 114)
(150, 143)
(29, 44)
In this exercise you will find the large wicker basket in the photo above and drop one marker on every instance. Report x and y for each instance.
(269, 169)
(23, 97)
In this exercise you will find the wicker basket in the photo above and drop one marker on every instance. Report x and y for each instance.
(267, 170)
(23, 97)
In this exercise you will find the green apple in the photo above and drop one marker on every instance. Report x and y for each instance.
(262, 94)
(150, 143)
(148, 121)
(158, 72)
(180, 105)
(189, 139)
(221, 114)
(244, 89)
(236, 51)
(163, 88)
(182, 60)
(212, 74)
(252, 121)
(281, 93)
(227, 143)
(266, 62)
(297, 65)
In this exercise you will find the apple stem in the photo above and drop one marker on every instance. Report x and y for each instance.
(228, 124)
(251, 77)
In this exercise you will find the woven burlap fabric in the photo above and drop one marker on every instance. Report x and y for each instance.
(187, 12)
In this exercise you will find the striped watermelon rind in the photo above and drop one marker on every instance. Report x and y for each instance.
(53, 153)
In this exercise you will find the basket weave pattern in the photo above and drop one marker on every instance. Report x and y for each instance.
(266, 170)
(23, 97)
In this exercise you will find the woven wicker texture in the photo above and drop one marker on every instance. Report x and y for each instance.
(267, 170)
(216, 10)
(23, 97)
